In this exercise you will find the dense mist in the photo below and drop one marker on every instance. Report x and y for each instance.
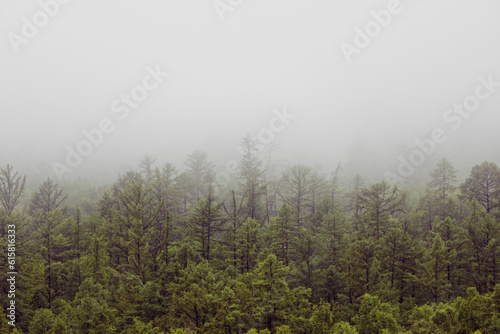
(354, 98)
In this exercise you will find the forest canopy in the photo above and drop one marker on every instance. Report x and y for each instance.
(167, 251)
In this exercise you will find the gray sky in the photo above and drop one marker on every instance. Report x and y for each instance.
(227, 76)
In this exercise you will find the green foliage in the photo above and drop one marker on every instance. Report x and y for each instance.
(140, 327)
(168, 253)
(375, 317)
(377, 204)
(322, 318)
(205, 222)
(283, 329)
(483, 185)
(42, 321)
(343, 328)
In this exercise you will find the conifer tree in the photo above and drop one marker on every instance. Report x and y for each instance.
(435, 277)
(247, 239)
(284, 234)
(443, 178)
(251, 174)
(483, 185)
(199, 167)
(397, 255)
(205, 222)
(377, 204)
(297, 191)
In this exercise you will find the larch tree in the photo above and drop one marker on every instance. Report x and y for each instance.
(235, 216)
(397, 256)
(251, 175)
(247, 239)
(140, 217)
(297, 191)
(434, 269)
(355, 200)
(204, 223)
(284, 234)
(443, 178)
(198, 167)
(47, 198)
(377, 204)
(12, 187)
(484, 185)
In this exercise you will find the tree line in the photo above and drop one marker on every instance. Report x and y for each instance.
(163, 251)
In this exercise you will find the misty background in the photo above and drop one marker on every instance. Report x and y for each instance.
(227, 76)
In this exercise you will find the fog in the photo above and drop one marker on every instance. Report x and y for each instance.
(284, 70)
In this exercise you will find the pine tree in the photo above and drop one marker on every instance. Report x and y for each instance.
(140, 218)
(48, 197)
(95, 259)
(52, 253)
(165, 199)
(483, 241)
(284, 234)
(247, 239)
(333, 235)
(376, 317)
(49, 252)
(442, 185)
(235, 218)
(12, 187)
(428, 209)
(355, 204)
(147, 166)
(267, 299)
(397, 255)
(297, 191)
(362, 257)
(483, 185)
(308, 251)
(198, 167)
(251, 175)
(318, 189)
(435, 278)
(205, 222)
(377, 204)
(453, 236)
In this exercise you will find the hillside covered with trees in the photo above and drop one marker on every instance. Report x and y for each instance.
(165, 251)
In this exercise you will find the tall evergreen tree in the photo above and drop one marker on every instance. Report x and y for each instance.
(436, 262)
(355, 204)
(199, 167)
(377, 204)
(284, 234)
(247, 239)
(442, 183)
(397, 256)
(12, 187)
(251, 175)
(484, 185)
(297, 191)
(48, 197)
(205, 222)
